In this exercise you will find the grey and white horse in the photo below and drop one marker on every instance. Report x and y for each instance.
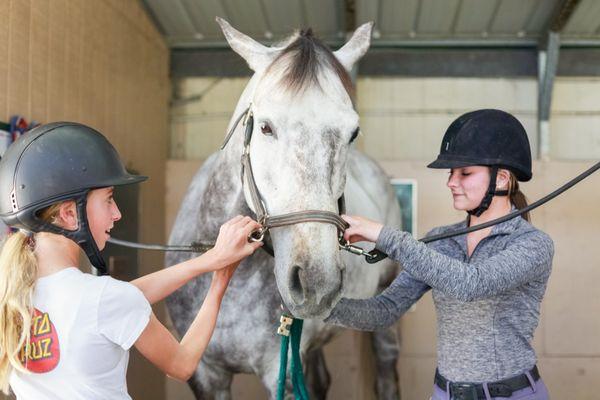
(301, 96)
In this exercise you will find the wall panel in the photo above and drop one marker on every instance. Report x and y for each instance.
(101, 63)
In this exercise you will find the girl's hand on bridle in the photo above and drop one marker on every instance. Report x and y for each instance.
(232, 245)
(361, 229)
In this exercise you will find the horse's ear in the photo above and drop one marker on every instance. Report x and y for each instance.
(356, 47)
(256, 55)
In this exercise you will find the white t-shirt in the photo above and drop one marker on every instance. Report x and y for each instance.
(82, 330)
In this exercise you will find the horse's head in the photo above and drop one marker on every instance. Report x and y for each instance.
(301, 97)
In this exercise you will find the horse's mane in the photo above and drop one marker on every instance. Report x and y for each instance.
(302, 61)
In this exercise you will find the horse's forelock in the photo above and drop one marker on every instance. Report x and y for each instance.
(302, 61)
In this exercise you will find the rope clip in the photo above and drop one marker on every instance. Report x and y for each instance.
(284, 326)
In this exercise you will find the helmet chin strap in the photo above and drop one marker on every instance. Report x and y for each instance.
(491, 192)
(82, 236)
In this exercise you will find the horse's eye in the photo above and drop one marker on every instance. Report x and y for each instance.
(265, 128)
(354, 134)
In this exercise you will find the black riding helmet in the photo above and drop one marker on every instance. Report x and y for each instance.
(486, 137)
(56, 162)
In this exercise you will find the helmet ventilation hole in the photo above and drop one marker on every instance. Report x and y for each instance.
(13, 200)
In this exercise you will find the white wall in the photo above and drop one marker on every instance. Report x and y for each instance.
(198, 127)
(404, 118)
(575, 119)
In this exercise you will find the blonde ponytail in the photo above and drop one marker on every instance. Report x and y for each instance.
(18, 274)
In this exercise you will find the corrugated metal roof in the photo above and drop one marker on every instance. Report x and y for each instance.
(190, 23)
(585, 21)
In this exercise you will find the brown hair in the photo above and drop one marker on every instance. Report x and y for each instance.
(516, 196)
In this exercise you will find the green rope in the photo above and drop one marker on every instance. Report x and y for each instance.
(283, 356)
(298, 384)
(297, 375)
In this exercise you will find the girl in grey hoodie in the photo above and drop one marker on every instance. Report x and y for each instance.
(487, 285)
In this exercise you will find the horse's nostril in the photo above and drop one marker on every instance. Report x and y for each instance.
(295, 285)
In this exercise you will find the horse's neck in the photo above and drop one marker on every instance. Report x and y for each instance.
(223, 197)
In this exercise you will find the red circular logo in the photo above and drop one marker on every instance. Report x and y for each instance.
(43, 353)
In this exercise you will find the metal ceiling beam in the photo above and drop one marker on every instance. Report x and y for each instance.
(427, 62)
(178, 43)
(548, 58)
(562, 15)
(482, 63)
(579, 62)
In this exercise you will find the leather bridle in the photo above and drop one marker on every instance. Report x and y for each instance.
(275, 221)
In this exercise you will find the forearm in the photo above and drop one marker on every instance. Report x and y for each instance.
(364, 314)
(160, 284)
(527, 258)
(196, 339)
(179, 359)
(381, 311)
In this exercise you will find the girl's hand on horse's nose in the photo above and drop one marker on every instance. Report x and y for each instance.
(361, 229)
(232, 244)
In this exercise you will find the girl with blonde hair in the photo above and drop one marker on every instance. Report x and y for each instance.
(65, 334)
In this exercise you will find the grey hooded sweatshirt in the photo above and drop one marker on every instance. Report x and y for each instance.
(487, 305)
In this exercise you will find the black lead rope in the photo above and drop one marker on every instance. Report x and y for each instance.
(193, 248)
(376, 255)
(516, 213)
